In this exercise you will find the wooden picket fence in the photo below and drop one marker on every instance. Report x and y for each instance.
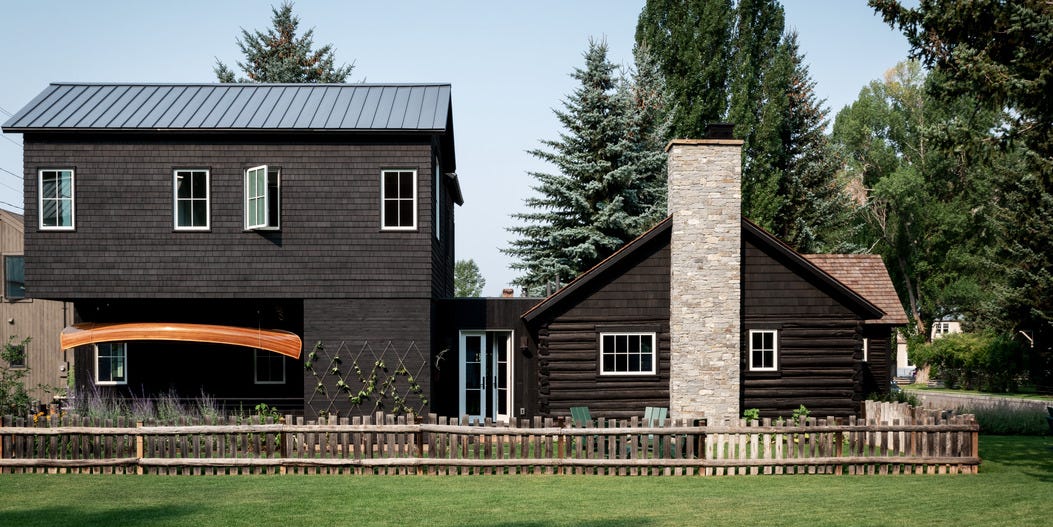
(386, 444)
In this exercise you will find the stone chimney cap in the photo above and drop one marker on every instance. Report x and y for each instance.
(697, 142)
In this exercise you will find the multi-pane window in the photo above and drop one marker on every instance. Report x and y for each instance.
(56, 199)
(111, 363)
(191, 199)
(866, 350)
(398, 197)
(764, 350)
(627, 353)
(14, 277)
(262, 197)
(269, 366)
(16, 353)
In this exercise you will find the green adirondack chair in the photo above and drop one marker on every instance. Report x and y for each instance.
(654, 417)
(580, 416)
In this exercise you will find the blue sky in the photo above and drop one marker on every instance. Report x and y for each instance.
(508, 62)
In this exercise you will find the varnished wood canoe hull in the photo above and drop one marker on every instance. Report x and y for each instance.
(276, 340)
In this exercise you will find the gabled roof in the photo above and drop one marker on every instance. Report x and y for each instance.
(867, 275)
(237, 106)
(598, 269)
(758, 234)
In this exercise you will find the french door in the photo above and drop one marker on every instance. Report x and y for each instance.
(486, 374)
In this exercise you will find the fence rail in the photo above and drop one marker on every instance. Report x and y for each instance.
(386, 444)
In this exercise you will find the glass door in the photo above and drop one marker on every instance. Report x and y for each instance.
(486, 375)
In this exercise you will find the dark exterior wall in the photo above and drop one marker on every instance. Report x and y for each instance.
(879, 367)
(819, 340)
(631, 296)
(443, 247)
(475, 314)
(225, 373)
(330, 243)
(362, 333)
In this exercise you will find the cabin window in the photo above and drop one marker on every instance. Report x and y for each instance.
(191, 200)
(866, 344)
(398, 199)
(627, 354)
(14, 277)
(269, 367)
(438, 200)
(111, 363)
(262, 198)
(764, 350)
(15, 353)
(56, 199)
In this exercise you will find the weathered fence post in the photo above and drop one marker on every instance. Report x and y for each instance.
(138, 449)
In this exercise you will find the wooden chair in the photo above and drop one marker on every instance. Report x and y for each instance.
(654, 417)
(580, 416)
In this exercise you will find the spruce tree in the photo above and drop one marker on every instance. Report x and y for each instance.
(279, 55)
(608, 186)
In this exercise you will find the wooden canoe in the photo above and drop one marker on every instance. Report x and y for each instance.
(276, 340)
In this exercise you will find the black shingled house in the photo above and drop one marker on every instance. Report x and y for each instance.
(190, 223)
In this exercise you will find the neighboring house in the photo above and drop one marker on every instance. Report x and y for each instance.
(39, 320)
(945, 326)
(324, 211)
(202, 232)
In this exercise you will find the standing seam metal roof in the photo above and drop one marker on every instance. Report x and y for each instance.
(337, 107)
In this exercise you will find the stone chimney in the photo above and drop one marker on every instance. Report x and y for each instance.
(705, 196)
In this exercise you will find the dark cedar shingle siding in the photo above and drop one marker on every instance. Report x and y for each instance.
(330, 243)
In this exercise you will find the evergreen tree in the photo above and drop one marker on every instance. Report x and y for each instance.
(279, 55)
(467, 280)
(608, 186)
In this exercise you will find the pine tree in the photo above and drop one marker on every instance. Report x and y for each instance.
(279, 55)
(607, 189)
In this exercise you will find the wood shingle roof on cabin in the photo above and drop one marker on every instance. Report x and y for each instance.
(866, 274)
(198, 107)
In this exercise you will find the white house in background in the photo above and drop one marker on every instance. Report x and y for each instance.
(945, 326)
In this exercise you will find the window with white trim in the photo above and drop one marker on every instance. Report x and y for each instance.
(111, 363)
(438, 200)
(191, 199)
(262, 198)
(398, 199)
(56, 199)
(269, 367)
(627, 354)
(866, 345)
(764, 350)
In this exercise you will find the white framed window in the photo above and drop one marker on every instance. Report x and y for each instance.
(190, 187)
(398, 200)
(262, 198)
(866, 351)
(14, 277)
(56, 199)
(111, 363)
(764, 350)
(627, 354)
(269, 367)
(438, 200)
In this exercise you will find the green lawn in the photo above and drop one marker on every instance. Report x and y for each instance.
(1014, 488)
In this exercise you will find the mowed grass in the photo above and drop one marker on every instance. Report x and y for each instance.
(1014, 488)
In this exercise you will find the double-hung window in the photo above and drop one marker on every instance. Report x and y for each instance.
(111, 363)
(627, 354)
(398, 199)
(14, 277)
(764, 350)
(191, 199)
(262, 198)
(56, 199)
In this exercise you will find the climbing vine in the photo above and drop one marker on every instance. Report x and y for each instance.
(375, 384)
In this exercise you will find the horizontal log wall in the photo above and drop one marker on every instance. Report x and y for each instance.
(386, 444)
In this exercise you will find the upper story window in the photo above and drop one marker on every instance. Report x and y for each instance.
(764, 350)
(56, 199)
(262, 197)
(14, 277)
(191, 199)
(627, 354)
(111, 363)
(398, 199)
(438, 199)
